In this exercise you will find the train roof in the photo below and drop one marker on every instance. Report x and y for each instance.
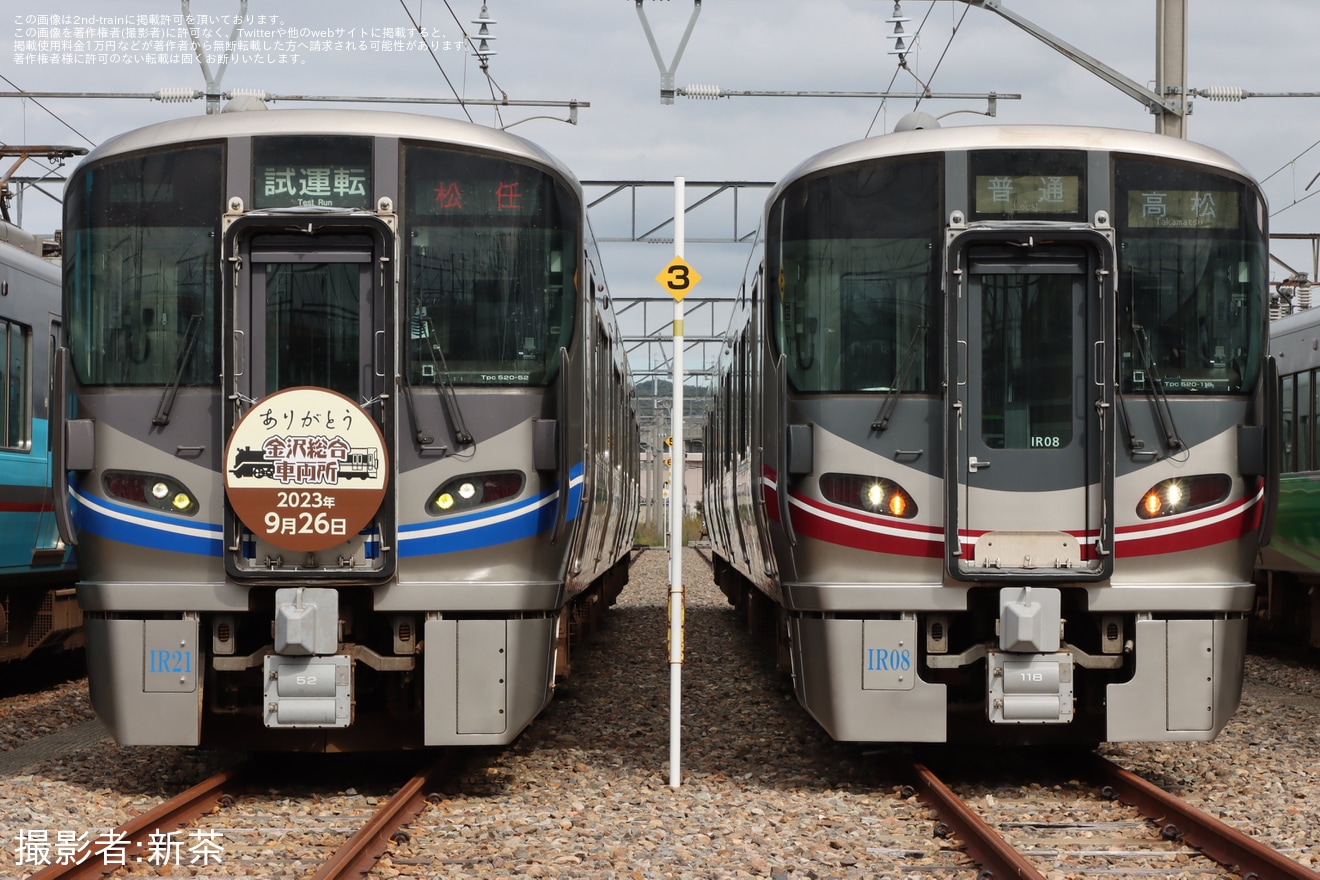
(377, 123)
(15, 253)
(991, 137)
(1295, 340)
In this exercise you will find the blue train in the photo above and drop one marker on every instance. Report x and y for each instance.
(38, 606)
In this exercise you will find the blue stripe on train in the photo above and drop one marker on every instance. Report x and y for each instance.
(142, 528)
(488, 528)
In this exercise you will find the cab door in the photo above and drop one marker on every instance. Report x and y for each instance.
(1028, 480)
(310, 312)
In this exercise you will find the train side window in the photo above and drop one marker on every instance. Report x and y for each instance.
(15, 354)
(1303, 417)
(1287, 394)
(1313, 448)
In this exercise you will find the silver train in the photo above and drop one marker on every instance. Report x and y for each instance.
(353, 451)
(38, 607)
(990, 457)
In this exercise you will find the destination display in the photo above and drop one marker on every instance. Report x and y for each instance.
(287, 186)
(1013, 195)
(1183, 209)
(307, 171)
(505, 195)
(460, 184)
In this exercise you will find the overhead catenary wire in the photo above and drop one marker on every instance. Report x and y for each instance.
(943, 54)
(1292, 164)
(903, 65)
(485, 62)
(49, 112)
(417, 27)
(46, 170)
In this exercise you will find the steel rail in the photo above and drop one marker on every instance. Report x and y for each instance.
(364, 849)
(132, 836)
(1215, 839)
(983, 843)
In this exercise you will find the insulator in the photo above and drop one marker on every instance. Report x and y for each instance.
(1222, 93)
(176, 96)
(701, 92)
(259, 94)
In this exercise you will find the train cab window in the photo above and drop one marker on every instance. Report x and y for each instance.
(1192, 261)
(16, 357)
(1287, 397)
(141, 269)
(493, 259)
(852, 272)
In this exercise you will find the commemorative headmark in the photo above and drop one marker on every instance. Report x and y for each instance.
(305, 469)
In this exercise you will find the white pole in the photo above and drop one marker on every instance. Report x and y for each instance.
(676, 505)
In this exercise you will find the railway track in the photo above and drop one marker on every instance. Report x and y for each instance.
(153, 840)
(1120, 826)
(584, 795)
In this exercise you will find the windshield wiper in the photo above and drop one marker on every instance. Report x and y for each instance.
(1158, 396)
(448, 398)
(190, 334)
(881, 421)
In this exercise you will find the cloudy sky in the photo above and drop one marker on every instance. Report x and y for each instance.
(596, 51)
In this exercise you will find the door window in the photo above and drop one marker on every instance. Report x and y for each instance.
(313, 317)
(1027, 361)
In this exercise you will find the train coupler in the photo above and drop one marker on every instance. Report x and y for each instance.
(1030, 688)
(307, 684)
(308, 691)
(1030, 679)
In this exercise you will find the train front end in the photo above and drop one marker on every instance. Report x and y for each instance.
(326, 467)
(1018, 468)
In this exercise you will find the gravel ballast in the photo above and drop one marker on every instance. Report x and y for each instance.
(585, 792)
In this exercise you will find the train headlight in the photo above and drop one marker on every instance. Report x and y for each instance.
(156, 491)
(1171, 497)
(872, 494)
(474, 490)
